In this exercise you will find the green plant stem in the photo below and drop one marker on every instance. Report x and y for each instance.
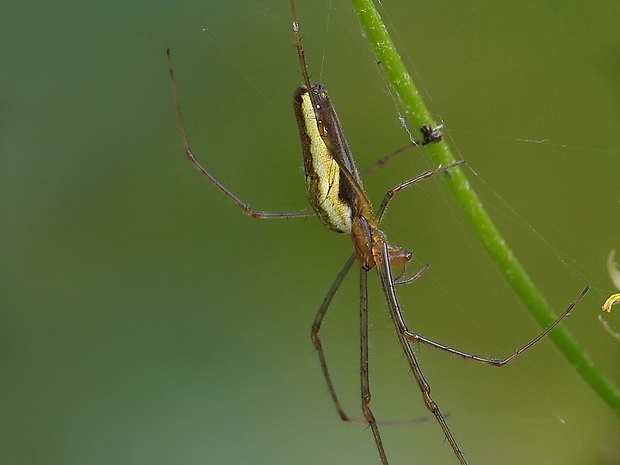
(416, 114)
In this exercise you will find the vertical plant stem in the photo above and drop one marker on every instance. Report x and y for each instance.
(416, 114)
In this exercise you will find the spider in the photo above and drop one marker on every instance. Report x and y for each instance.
(336, 194)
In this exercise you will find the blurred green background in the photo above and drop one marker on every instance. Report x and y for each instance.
(144, 320)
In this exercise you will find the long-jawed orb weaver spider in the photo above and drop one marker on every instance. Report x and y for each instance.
(334, 190)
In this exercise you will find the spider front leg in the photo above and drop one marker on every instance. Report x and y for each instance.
(364, 374)
(388, 285)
